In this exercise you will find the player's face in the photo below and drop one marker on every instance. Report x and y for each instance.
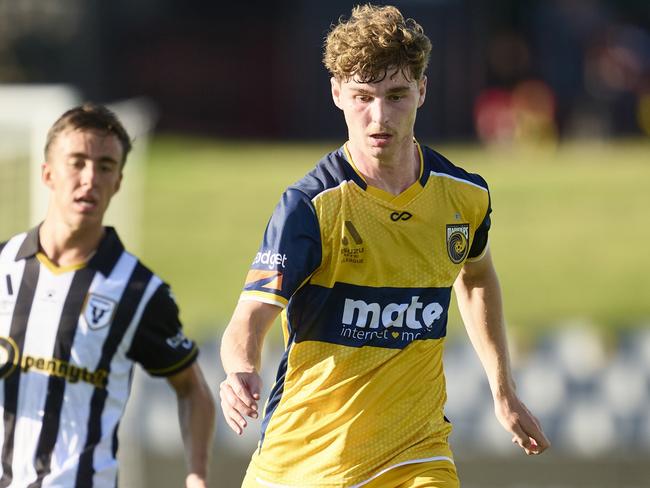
(83, 170)
(380, 116)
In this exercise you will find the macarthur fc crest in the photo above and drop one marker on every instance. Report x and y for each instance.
(457, 242)
(99, 311)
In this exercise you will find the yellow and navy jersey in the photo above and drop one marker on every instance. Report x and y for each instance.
(365, 280)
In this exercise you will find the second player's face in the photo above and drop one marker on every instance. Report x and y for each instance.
(83, 170)
(380, 116)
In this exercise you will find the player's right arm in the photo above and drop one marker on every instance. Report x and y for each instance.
(241, 355)
(289, 254)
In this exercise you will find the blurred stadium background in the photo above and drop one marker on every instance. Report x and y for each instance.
(549, 100)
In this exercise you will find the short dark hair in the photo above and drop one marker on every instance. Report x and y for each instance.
(90, 116)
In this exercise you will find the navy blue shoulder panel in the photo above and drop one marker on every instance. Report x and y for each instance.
(332, 170)
(291, 248)
(436, 162)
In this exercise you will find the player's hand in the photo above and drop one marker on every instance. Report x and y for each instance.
(195, 481)
(526, 430)
(239, 394)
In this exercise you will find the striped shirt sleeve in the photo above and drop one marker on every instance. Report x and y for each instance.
(159, 344)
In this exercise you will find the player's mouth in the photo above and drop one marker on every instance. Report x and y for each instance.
(86, 203)
(381, 138)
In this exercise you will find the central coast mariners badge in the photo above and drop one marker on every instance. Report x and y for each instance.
(99, 311)
(457, 242)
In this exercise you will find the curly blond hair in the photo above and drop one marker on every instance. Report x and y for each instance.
(373, 41)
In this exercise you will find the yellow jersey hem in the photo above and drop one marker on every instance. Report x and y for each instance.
(270, 484)
(404, 463)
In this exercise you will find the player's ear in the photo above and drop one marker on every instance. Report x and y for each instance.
(118, 183)
(46, 174)
(422, 88)
(336, 91)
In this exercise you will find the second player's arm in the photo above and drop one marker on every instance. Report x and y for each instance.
(196, 419)
(241, 355)
(479, 299)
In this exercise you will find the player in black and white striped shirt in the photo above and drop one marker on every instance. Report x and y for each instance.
(76, 312)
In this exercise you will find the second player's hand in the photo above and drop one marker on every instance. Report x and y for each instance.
(526, 431)
(195, 481)
(240, 393)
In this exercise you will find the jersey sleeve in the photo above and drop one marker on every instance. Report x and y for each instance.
(480, 242)
(159, 344)
(290, 251)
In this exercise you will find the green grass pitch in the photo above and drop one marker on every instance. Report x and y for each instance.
(570, 225)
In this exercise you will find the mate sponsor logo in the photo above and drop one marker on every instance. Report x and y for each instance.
(356, 315)
(398, 321)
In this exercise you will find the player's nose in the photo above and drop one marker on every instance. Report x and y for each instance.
(378, 111)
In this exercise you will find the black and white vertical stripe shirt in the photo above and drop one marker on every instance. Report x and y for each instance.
(69, 338)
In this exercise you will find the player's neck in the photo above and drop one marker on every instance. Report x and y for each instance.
(65, 246)
(392, 174)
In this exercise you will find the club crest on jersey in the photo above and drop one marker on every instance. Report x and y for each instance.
(457, 242)
(99, 311)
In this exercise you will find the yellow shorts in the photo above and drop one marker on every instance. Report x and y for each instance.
(433, 474)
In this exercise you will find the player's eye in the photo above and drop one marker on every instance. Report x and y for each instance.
(364, 98)
(77, 163)
(106, 165)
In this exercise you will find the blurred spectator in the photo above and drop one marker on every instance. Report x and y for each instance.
(523, 115)
(593, 56)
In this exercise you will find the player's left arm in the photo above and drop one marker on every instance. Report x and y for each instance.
(479, 299)
(196, 414)
(160, 346)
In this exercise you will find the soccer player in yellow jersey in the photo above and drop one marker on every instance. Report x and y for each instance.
(360, 257)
